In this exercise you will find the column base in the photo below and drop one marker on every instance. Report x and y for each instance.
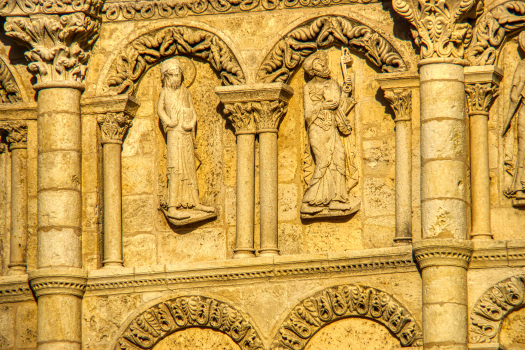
(398, 241)
(17, 270)
(478, 236)
(243, 253)
(269, 252)
(113, 264)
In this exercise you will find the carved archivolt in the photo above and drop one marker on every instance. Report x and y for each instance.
(149, 49)
(9, 91)
(340, 302)
(138, 10)
(491, 30)
(322, 33)
(493, 306)
(170, 316)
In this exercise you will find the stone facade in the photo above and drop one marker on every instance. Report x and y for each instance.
(280, 175)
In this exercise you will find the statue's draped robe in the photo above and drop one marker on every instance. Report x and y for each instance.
(183, 191)
(328, 182)
(518, 183)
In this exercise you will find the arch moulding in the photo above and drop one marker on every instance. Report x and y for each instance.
(133, 59)
(323, 32)
(494, 305)
(169, 316)
(345, 301)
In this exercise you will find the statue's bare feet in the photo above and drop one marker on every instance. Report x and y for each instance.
(308, 209)
(336, 205)
(177, 214)
(204, 208)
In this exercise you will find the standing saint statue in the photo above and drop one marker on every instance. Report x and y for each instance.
(178, 118)
(326, 109)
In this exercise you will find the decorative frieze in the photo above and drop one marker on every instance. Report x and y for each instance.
(29, 7)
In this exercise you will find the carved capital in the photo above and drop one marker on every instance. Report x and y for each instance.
(240, 114)
(58, 45)
(441, 29)
(442, 252)
(16, 133)
(268, 115)
(114, 126)
(52, 281)
(401, 102)
(480, 97)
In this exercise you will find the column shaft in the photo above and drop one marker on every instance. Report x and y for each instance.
(18, 263)
(403, 182)
(444, 166)
(112, 204)
(268, 193)
(244, 247)
(480, 176)
(59, 322)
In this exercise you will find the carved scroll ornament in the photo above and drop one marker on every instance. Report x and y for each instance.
(322, 33)
(58, 45)
(27, 7)
(493, 306)
(9, 91)
(442, 30)
(491, 29)
(149, 49)
(341, 302)
(170, 316)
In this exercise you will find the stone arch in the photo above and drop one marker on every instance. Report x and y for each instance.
(135, 58)
(344, 301)
(324, 32)
(494, 305)
(10, 91)
(167, 317)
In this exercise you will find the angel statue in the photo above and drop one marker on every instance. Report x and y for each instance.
(326, 109)
(178, 118)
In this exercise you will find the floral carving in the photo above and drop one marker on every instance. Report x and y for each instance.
(321, 33)
(142, 53)
(168, 317)
(9, 91)
(491, 29)
(493, 306)
(480, 97)
(27, 7)
(401, 102)
(114, 126)
(345, 301)
(58, 45)
(131, 10)
(268, 114)
(16, 133)
(241, 116)
(442, 29)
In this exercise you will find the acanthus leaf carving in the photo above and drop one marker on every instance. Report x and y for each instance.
(401, 102)
(241, 116)
(493, 306)
(16, 133)
(147, 50)
(339, 302)
(480, 97)
(442, 29)
(268, 114)
(58, 45)
(322, 33)
(114, 126)
(165, 318)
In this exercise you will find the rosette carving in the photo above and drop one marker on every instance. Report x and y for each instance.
(493, 306)
(16, 133)
(442, 27)
(401, 102)
(480, 97)
(491, 29)
(322, 33)
(339, 302)
(114, 126)
(58, 45)
(9, 91)
(142, 53)
(173, 315)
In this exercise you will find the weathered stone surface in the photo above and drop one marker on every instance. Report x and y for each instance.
(26, 316)
(197, 339)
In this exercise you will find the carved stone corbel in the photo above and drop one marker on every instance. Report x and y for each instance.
(114, 116)
(398, 92)
(16, 137)
(481, 87)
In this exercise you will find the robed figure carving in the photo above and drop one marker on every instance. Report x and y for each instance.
(179, 120)
(326, 109)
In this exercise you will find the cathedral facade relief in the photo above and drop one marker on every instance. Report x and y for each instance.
(262, 174)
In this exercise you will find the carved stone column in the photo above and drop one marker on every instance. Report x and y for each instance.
(269, 109)
(481, 88)
(398, 92)
(16, 137)
(58, 39)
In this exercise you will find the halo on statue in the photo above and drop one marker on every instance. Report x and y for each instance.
(188, 69)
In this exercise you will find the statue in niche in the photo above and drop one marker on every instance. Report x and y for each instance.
(515, 164)
(326, 110)
(179, 119)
